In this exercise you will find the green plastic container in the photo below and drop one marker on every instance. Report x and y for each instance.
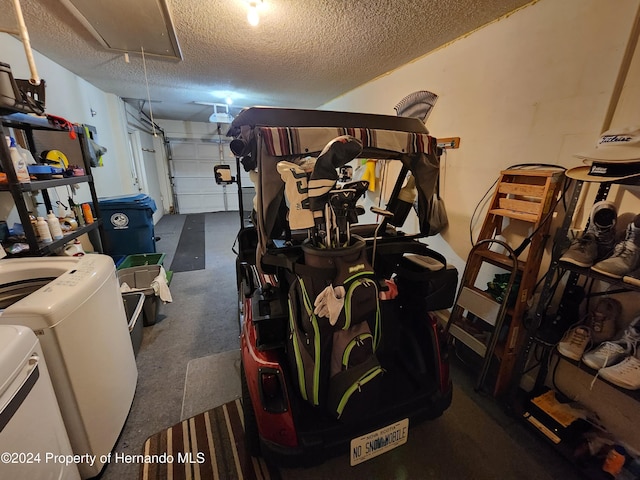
(142, 259)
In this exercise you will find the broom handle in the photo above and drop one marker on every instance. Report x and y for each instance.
(24, 35)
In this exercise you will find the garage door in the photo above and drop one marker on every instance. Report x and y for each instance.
(195, 189)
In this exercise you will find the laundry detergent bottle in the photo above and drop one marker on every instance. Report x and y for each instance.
(19, 162)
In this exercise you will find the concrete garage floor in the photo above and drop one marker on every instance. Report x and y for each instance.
(188, 363)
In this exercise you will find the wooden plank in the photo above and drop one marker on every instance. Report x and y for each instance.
(520, 205)
(531, 173)
(550, 196)
(527, 217)
(500, 260)
(523, 189)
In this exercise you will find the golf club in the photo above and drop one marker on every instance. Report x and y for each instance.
(337, 153)
(386, 214)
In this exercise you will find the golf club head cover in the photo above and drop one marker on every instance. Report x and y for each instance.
(329, 303)
(296, 191)
(360, 186)
(337, 153)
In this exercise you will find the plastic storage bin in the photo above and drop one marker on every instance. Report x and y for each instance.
(141, 260)
(140, 278)
(128, 224)
(133, 306)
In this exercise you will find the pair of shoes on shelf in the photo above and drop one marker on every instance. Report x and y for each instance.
(617, 361)
(597, 247)
(598, 326)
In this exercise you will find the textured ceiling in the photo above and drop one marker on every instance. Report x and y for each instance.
(302, 54)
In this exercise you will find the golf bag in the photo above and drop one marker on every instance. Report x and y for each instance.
(334, 358)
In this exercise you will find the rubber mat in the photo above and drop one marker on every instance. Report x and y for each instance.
(190, 252)
(207, 446)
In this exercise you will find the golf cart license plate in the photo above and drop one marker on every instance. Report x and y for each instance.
(378, 442)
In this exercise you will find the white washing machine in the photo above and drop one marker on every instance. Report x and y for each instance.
(75, 308)
(33, 439)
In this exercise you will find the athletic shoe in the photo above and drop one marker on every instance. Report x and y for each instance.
(633, 278)
(602, 319)
(574, 342)
(606, 354)
(626, 254)
(598, 241)
(625, 374)
(582, 252)
(612, 352)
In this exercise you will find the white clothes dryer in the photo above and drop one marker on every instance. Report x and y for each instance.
(33, 441)
(75, 308)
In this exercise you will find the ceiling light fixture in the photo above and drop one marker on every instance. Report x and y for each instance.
(253, 17)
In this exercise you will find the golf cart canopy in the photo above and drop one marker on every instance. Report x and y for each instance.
(291, 117)
(265, 136)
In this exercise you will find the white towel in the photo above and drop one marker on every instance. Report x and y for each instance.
(161, 287)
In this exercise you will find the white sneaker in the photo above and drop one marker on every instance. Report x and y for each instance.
(575, 342)
(605, 355)
(612, 352)
(625, 374)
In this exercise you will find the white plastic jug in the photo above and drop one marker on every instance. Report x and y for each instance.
(73, 249)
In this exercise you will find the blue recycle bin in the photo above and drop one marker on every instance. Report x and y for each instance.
(128, 224)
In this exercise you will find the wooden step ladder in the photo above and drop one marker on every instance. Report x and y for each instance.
(477, 319)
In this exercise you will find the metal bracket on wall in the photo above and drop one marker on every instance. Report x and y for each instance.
(449, 142)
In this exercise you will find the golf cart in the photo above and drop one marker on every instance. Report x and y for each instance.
(340, 350)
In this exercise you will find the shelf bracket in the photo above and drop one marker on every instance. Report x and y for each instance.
(449, 142)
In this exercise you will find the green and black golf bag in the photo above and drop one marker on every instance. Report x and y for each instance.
(334, 359)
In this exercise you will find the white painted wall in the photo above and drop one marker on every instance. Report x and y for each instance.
(534, 87)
